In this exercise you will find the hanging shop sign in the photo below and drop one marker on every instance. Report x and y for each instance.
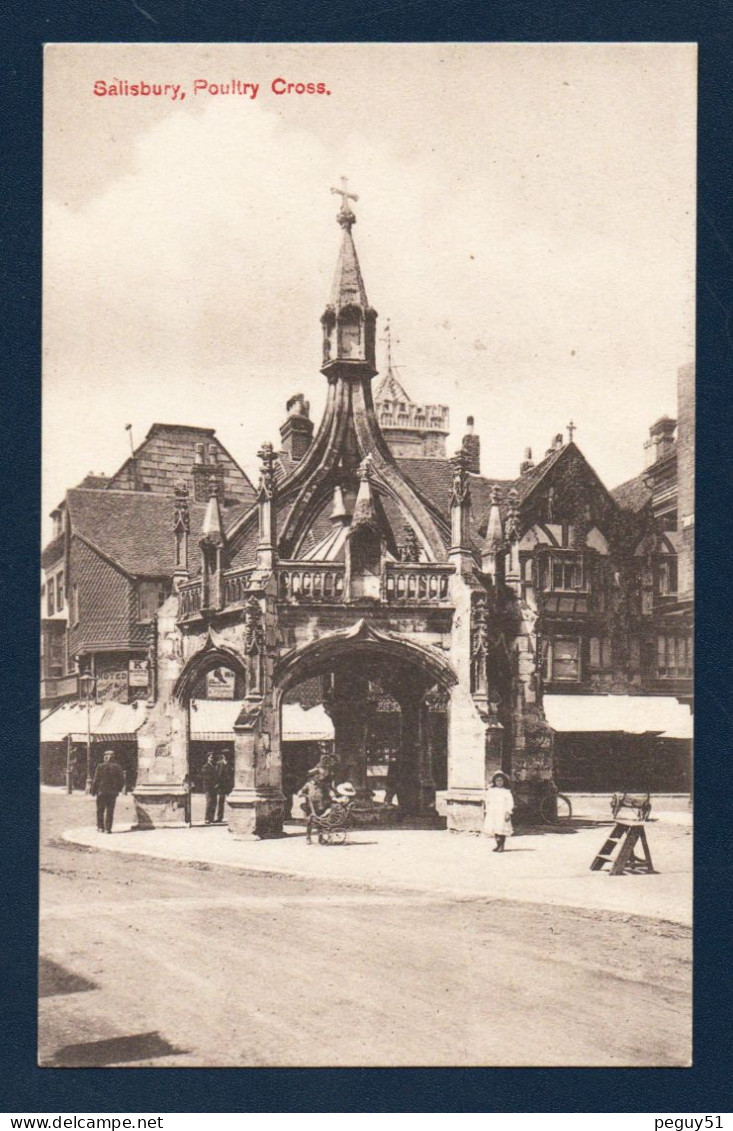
(138, 673)
(220, 683)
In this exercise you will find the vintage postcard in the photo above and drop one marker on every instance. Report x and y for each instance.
(367, 579)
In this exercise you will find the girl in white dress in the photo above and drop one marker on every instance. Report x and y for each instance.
(499, 807)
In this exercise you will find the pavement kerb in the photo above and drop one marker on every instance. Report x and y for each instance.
(70, 836)
(87, 838)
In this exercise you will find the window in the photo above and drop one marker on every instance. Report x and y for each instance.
(600, 654)
(150, 596)
(674, 657)
(667, 576)
(566, 573)
(563, 659)
(561, 572)
(55, 656)
(50, 598)
(60, 592)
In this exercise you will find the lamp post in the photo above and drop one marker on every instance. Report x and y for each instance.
(87, 685)
(69, 774)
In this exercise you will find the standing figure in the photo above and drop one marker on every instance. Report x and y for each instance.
(392, 780)
(224, 784)
(317, 797)
(108, 782)
(499, 805)
(209, 776)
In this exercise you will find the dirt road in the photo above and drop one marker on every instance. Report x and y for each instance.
(153, 963)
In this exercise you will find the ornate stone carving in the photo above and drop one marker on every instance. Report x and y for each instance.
(512, 521)
(437, 698)
(410, 548)
(364, 470)
(459, 482)
(479, 644)
(267, 471)
(254, 635)
(181, 517)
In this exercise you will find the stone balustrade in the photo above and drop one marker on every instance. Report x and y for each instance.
(417, 582)
(237, 586)
(189, 599)
(310, 581)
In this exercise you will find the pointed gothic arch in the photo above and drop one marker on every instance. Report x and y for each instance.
(212, 655)
(362, 639)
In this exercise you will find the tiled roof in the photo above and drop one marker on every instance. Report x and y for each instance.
(432, 477)
(634, 494)
(52, 552)
(527, 482)
(134, 528)
(94, 482)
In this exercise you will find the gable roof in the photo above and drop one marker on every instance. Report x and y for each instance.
(389, 388)
(134, 528)
(634, 494)
(527, 482)
(431, 478)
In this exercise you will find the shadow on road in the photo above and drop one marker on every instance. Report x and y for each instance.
(55, 979)
(561, 828)
(113, 1050)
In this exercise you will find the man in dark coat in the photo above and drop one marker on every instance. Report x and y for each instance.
(224, 784)
(209, 776)
(108, 782)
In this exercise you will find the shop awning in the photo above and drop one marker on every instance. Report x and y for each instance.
(212, 720)
(107, 722)
(662, 715)
(301, 725)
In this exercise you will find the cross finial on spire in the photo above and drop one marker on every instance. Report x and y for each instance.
(388, 339)
(345, 217)
(571, 429)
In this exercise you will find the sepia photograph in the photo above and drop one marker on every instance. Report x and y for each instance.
(367, 581)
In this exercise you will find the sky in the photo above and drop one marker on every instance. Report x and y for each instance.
(526, 221)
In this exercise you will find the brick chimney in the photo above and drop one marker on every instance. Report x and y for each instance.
(297, 431)
(471, 445)
(661, 440)
(556, 444)
(207, 473)
(527, 463)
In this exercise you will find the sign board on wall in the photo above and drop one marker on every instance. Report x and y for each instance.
(112, 685)
(138, 673)
(220, 684)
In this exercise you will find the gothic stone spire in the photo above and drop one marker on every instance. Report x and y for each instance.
(348, 322)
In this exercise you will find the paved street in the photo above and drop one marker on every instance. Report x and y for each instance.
(167, 963)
